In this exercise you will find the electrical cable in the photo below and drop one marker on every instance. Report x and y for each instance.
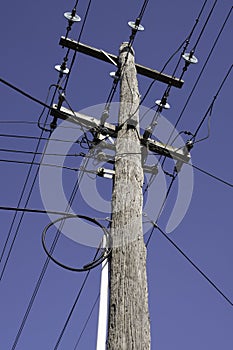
(35, 123)
(162, 206)
(121, 69)
(95, 262)
(29, 171)
(7, 150)
(22, 214)
(17, 122)
(75, 52)
(199, 76)
(210, 108)
(187, 63)
(201, 72)
(87, 320)
(204, 27)
(26, 181)
(48, 165)
(20, 200)
(57, 87)
(186, 42)
(34, 211)
(45, 266)
(143, 9)
(190, 261)
(25, 94)
(211, 175)
(72, 309)
(35, 138)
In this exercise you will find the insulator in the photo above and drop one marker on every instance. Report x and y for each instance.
(114, 75)
(60, 69)
(190, 58)
(134, 26)
(160, 104)
(70, 17)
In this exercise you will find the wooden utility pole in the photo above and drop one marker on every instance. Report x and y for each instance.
(129, 326)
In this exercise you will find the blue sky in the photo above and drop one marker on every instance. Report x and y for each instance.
(185, 310)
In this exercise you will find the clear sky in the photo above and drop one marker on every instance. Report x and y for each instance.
(186, 311)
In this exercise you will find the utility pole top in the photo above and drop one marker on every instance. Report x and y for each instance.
(104, 56)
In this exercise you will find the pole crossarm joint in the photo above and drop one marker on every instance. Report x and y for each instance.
(176, 153)
(113, 59)
(180, 154)
(83, 120)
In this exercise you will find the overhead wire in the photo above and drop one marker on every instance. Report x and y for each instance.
(162, 206)
(201, 72)
(43, 129)
(29, 96)
(204, 26)
(26, 180)
(17, 136)
(75, 52)
(166, 93)
(71, 311)
(28, 175)
(121, 69)
(73, 308)
(185, 43)
(155, 225)
(47, 165)
(7, 150)
(212, 175)
(187, 63)
(87, 321)
(210, 109)
(45, 266)
(199, 169)
(199, 76)
(22, 214)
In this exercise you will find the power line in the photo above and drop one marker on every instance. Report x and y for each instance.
(17, 122)
(187, 63)
(22, 214)
(79, 38)
(197, 80)
(36, 123)
(7, 150)
(204, 26)
(201, 72)
(190, 261)
(87, 320)
(72, 308)
(143, 9)
(213, 176)
(162, 206)
(120, 71)
(47, 165)
(45, 266)
(211, 107)
(186, 42)
(25, 183)
(29, 96)
(35, 138)
(35, 211)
